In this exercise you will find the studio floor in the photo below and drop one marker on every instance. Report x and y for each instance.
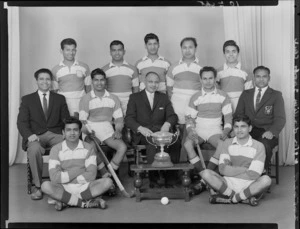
(277, 207)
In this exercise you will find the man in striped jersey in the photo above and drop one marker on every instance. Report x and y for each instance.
(241, 165)
(99, 109)
(72, 170)
(122, 77)
(204, 118)
(232, 78)
(153, 62)
(182, 82)
(71, 77)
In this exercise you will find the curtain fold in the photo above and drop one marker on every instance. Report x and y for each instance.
(14, 80)
(266, 37)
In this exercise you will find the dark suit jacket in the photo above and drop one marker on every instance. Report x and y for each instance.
(31, 118)
(270, 114)
(139, 112)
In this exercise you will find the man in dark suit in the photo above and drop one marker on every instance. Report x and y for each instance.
(150, 111)
(265, 108)
(40, 123)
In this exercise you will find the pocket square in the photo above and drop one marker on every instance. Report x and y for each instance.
(161, 108)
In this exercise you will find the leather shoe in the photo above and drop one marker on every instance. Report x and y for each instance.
(198, 188)
(37, 194)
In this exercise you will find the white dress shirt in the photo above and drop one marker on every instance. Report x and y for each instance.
(150, 98)
(41, 94)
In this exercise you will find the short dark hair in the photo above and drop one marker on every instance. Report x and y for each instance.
(98, 71)
(230, 43)
(151, 36)
(116, 42)
(72, 120)
(151, 73)
(261, 68)
(208, 69)
(68, 41)
(189, 39)
(241, 118)
(43, 70)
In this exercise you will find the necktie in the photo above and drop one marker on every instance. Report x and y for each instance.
(45, 106)
(151, 98)
(258, 99)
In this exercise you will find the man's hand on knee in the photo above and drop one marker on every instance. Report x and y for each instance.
(225, 133)
(33, 138)
(268, 135)
(117, 135)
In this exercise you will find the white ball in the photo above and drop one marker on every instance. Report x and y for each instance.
(164, 200)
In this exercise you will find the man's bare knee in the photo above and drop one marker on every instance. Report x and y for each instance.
(266, 180)
(206, 174)
(46, 187)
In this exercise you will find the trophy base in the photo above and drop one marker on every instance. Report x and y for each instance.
(162, 161)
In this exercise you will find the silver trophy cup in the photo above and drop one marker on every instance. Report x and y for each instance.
(162, 159)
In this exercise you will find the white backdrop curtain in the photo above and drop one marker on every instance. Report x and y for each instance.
(265, 35)
(14, 80)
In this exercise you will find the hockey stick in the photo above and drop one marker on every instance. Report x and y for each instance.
(200, 155)
(110, 168)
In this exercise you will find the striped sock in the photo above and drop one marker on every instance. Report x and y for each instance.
(86, 194)
(226, 191)
(114, 165)
(101, 168)
(213, 163)
(70, 199)
(243, 195)
(197, 163)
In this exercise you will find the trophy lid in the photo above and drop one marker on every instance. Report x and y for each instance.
(162, 134)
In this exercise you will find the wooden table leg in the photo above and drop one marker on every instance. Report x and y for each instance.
(138, 182)
(186, 181)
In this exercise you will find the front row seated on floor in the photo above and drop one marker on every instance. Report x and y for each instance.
(241, 164)
(72, 170)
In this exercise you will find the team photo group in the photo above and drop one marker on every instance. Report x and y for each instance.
(76, 109)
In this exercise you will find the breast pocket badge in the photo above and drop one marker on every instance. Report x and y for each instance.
(268, 110)
(79, 73)
(161, 108)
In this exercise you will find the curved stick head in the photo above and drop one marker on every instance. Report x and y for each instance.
(128, 195)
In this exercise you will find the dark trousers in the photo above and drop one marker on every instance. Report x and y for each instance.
(35, 152)
(269, 144)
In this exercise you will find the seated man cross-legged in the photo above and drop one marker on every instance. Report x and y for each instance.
(98, 109)
(241, 164)
(204, 119)
(72, 170)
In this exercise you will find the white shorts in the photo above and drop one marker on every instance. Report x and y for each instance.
(103, 130)
(237, 184)
(73, 105)
(206, 128)
(180, 103)
(76, 189)
(124, 102)
(124, 98)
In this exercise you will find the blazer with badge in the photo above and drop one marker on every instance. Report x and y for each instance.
(270, 114)
(139, 112)
(31, 118)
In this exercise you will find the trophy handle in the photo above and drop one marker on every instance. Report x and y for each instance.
(150, 142)
(176, 134)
